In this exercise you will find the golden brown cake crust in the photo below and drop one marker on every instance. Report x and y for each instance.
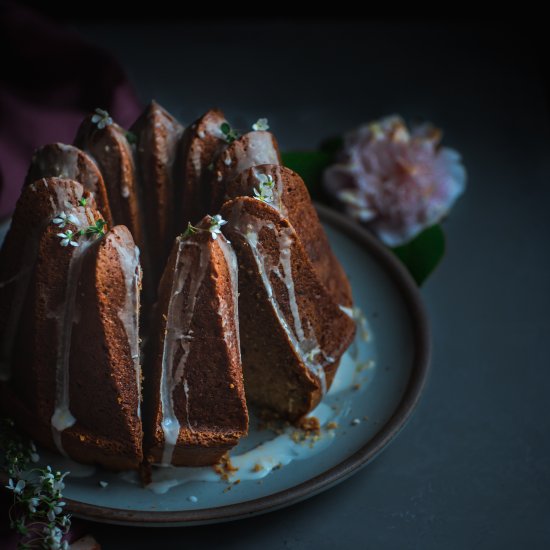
(251, 149)
(208, 393)
(66, 291)
(110, 148)
(158, 137)
(67, 161)
(200, 144)
(291, 198)
(291, 343)
(69, 314)
(105, 377)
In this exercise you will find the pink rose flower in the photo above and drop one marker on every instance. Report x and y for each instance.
(397, 182)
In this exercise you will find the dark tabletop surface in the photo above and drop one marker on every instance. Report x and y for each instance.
(472, 468)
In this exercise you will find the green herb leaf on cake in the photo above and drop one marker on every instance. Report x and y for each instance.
(229, 133)
(98, 228)
(190, 230)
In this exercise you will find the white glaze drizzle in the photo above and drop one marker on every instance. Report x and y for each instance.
(173, 132)
(178, 332)
(254, 464)
(209, 128)
(129, 314)
(274, 451)
(260, 151)
(306, 347)
(62, 417)
(233, 268)
(361, 325)
(213, 128)
(69, 167)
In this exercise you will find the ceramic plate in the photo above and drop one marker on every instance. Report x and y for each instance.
(377, 386)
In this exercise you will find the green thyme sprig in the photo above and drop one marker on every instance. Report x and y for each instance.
(70, 237)
(98, 228)
(37, 513)
(215, 228)
(230, 134)
(190, 230)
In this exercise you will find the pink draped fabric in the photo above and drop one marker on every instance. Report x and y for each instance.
(50, 80)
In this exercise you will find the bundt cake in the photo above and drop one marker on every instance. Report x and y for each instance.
(243, 302)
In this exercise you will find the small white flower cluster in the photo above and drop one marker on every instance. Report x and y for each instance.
(261, 124)
(216, 223)
(61, 220)
(265, 191)
(53, 538)
(70, 236)
(41, 498)
(101, 118)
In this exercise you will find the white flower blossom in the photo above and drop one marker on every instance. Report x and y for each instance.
(33, 504)
(67, 238)
(265, 191)
(101, 118)
(216, 223)
(261, 124)
(18, 487)
(62, 219)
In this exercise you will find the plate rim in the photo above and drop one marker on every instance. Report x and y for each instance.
(341, 471)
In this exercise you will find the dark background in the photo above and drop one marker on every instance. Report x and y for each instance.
(472, 469)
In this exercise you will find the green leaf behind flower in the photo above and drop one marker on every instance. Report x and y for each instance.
(310, 165)
(422, 255)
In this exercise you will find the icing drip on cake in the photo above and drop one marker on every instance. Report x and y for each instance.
(211, 127)
(178, 334)
(129, 314)
(261, 150)
(62, 417)
(231, 261)
(67, 169)
(306, 347)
